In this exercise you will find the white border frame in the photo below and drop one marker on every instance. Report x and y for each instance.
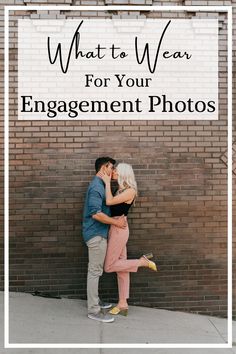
(226, 9)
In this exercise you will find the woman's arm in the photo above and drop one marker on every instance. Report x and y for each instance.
(120, 198)
(123, 197)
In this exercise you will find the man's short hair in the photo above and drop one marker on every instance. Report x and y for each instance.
(103, 161)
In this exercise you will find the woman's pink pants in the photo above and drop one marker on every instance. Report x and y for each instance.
(116, 259)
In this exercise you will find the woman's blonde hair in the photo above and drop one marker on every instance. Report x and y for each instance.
(126, 178)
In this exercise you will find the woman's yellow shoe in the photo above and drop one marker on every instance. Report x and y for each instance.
(151, 264)
(117, 311)
(148, 255)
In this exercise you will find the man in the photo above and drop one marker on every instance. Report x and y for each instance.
(96, 221)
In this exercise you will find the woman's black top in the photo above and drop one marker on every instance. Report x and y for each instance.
(120, 209)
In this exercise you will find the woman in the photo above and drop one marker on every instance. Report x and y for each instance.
(116, 256)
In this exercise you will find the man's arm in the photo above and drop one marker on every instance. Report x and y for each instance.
(95, 210)
(105, 219)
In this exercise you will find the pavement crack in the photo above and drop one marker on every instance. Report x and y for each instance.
(217, 331)
(101, 337)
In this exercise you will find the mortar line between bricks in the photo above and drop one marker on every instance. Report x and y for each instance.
(217, 330)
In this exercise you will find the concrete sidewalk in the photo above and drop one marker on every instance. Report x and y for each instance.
(42, 320)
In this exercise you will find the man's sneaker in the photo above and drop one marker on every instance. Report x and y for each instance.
(101, 317)
(104, 305)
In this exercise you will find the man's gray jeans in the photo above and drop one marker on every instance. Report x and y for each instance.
(97, 247)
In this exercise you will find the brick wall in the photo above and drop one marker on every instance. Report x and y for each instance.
(180, 215)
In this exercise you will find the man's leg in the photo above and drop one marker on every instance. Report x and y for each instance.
(97, 250)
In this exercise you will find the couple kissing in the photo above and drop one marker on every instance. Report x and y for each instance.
(106, 232)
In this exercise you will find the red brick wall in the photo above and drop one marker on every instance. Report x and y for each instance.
(180, 215)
